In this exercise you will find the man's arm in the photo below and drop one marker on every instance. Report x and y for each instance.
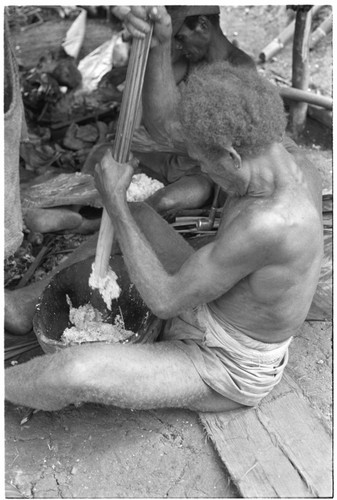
(204, 276)
(160, 93)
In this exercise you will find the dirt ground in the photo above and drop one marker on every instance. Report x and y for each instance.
(94, 451)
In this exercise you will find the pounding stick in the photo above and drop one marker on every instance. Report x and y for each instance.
(125, 129)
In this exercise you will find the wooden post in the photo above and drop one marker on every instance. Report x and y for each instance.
(300, 69)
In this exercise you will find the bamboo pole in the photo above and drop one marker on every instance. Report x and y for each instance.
(283, 38)
(322, 31)
(276, 45)
(299, 95)
(125, 128)
(319, 107)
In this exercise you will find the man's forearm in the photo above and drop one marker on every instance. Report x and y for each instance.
(144, 267)
(161, 96)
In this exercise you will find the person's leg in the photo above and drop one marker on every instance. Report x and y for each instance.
(185, 186)
(128, 376)
(20, 304)
(170, 247)
(189, 192)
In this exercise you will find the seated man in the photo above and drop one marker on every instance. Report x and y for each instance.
(233, 306)
(196, 38)
(185, 185)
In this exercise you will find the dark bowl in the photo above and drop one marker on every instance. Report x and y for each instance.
(52, 313)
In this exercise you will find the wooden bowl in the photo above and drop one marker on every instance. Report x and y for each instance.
(52, 313)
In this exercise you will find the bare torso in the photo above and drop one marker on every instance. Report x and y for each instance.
(272, 302)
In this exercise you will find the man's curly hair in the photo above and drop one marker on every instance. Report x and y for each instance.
(222, 105)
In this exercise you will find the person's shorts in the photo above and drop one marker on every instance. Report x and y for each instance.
(234, 365)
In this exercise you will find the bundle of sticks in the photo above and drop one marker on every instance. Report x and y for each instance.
(122, 145)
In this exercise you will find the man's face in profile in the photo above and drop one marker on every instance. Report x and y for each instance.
(191, 43)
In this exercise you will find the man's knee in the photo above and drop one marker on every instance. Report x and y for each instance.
(163, 202)
(188, 192)
(67, 368)
(48, 382)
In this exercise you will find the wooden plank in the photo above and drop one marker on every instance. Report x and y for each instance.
(302, 434)
(300, 69)
(280, 449)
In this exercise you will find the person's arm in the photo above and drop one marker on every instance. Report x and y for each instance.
(204, 276)
(238, 57)
(160, 93)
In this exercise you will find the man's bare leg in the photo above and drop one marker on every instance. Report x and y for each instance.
(189, 192)
(20, 304)
(139, 376)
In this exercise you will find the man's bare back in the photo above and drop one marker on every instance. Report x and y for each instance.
(272, 302)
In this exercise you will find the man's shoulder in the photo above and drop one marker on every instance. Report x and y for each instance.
(272, 224)
(238, 57)
(275, 217)
(281, 227)
(303, 161)
(253, 226)
(261, 235)
(252, 214)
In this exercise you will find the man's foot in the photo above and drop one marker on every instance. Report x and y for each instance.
(20, 307)
(20, 304)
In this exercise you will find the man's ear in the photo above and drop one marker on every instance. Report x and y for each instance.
(202, 24)
(235, 156)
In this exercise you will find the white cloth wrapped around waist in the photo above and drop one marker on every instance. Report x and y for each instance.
(241, 347)
(240, 368)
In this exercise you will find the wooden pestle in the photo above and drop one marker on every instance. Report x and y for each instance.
(125, 129)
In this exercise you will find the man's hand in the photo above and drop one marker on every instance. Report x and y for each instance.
(112, 180)
(138, 19)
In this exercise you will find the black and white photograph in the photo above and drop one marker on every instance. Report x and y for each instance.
(168, 251)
